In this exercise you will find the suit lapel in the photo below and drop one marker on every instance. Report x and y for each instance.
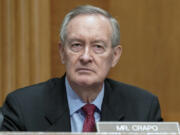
(57, 110)
(112, 107)
(59, 122)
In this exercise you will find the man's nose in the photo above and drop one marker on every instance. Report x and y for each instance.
(86, 56)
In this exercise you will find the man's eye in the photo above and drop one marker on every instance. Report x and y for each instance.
(98, 46)
(99, 49)
(76, 47)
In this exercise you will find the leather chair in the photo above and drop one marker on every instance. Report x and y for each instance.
(1, 117)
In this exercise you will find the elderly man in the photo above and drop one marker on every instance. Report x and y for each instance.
(89, 47)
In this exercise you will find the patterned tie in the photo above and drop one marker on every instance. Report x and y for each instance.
(89, 122)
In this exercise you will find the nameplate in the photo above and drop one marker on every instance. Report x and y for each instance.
(139, 127)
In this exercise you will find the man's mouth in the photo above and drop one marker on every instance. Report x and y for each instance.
(85, 70)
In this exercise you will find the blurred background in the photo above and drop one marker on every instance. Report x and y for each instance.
(150, 36)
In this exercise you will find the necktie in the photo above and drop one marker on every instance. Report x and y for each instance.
(89, 122)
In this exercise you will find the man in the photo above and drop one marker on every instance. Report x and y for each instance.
(89, 47)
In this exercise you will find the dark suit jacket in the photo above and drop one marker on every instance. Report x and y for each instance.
(44, 107)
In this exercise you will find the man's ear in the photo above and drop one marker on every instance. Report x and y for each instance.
(117, 51)
(61, 52)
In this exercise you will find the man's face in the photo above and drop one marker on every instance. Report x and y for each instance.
(87, 53)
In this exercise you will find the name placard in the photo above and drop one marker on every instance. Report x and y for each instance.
(139, 127)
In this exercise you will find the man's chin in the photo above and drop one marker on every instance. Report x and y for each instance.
(86, 81)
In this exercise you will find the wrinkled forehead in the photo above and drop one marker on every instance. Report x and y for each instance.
(89, 23)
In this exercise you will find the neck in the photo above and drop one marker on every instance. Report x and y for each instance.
(87, 93)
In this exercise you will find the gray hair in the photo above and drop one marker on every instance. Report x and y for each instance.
(88, 9)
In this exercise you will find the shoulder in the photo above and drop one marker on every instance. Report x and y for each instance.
(35, 92)
(127, 99)
(37, 88)
(128, 91)
(28, 104)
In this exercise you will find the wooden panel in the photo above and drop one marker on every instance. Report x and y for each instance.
(7, 38)
(22, 43)
(0, 50)
(35, 41)
(25, 43)
(40, 40)
(150, 34)
(45, 39)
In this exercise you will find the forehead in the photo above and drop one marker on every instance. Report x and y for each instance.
(90, 24)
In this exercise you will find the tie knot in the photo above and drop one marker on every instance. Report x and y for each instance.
(89, 109)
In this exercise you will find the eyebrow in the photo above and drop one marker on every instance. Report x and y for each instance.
(100, 41)
(74, 39)
(79, 40)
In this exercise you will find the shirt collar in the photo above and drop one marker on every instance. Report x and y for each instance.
(74, 101)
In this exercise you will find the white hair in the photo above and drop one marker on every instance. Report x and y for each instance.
(88, 9)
